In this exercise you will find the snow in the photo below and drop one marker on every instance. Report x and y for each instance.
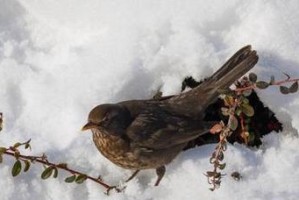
(58, 59)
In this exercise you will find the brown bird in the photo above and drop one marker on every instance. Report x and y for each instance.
(149, 134)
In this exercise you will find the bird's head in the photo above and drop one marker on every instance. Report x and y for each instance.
(113, 118)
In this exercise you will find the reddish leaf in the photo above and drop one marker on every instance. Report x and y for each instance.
(217, 128)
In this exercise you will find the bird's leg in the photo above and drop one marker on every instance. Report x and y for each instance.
(160, 173)
(133, 175)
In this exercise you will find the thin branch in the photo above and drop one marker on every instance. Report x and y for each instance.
(253, 86)
(42, 160)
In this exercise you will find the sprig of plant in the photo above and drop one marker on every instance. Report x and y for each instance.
(23, 163)
(239, 111)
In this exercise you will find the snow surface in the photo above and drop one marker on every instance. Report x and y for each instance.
(58, 59)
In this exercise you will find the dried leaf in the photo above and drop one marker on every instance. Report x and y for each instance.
(252, 77)
(294, 87)
(17, 168)
(70, 179)
(262, 84)
(233, 122)
(284, 90)
(229, 100)
(216, 128)
(247, 110)
(47, 172)
(81, 178)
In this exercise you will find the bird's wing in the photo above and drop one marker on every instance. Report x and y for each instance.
(193, 102)
(160, 130)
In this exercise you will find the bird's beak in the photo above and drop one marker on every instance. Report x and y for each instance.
(88, 126)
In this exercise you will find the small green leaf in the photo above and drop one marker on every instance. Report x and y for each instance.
(27, 146)
(1, 158)
(294, 87)
(233, 122)
(16, 145)
(16, 169)
(81, 178)
(27, 165)
(252, 77)
(2, 150)
(284, 90)
(70, 179)
(262, 84)
(55, 173)
(222, 166)
(47, 172)
(247, 110)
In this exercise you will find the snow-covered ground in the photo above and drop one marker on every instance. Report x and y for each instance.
(58, 59)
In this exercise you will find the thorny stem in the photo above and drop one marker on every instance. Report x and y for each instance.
(253, 86)
(43, 160)
(215, 177)
(221, 147)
